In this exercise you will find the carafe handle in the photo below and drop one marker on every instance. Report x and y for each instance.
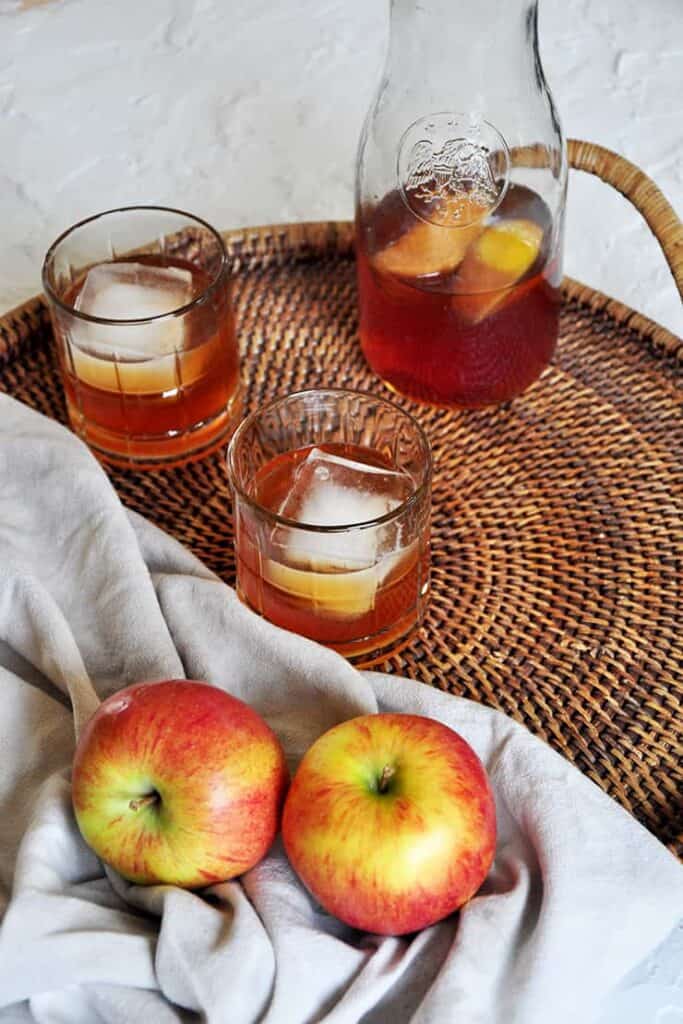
(641, 191)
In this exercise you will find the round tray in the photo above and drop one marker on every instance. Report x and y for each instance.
(557, 519)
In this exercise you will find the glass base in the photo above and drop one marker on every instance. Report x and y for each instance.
(368, 650)
(381, 650)
(149, 453)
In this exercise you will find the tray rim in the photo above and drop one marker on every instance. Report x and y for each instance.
(313, 238)
(310, 243)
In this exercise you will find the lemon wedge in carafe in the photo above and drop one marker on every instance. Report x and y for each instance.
(496, 261)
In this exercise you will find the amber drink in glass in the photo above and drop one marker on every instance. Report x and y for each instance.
(331, 516)
(141, 307)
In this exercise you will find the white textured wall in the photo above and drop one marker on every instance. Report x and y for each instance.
(248, 111)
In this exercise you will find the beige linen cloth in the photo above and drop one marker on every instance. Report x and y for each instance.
(91, 599)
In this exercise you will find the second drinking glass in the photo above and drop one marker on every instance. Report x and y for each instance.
(331, 510)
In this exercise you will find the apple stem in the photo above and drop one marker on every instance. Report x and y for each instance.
(385, 778)
(143, 801)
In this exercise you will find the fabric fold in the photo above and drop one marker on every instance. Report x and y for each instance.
(92, 599)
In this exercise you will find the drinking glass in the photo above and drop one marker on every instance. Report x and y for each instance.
(332, 492)
(141, 308)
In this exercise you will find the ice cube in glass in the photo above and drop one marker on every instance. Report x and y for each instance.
(340, 568)
(134, 291)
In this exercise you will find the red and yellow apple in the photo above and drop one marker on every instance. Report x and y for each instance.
(390, 822)
(178, 782)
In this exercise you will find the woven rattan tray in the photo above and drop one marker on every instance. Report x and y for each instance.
(558, 519)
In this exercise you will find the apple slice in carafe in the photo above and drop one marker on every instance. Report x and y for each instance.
(427, 249)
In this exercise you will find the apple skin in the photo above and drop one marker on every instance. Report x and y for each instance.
(396, 861)
(178, 782)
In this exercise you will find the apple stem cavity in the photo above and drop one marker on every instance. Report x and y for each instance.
(144, 801)
(385, 778)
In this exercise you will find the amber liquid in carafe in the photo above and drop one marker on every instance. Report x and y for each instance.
(459, 316)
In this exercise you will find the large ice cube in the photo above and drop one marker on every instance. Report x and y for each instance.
(338, 573)
(132, 291)
(332, 490)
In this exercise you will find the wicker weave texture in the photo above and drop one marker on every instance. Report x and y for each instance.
(557, 519)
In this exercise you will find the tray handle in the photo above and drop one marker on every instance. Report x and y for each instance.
(641, 191)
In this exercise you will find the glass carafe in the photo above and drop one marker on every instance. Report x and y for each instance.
(460, 193)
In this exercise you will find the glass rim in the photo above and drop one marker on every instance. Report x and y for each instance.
(114, 322)
(280, 520)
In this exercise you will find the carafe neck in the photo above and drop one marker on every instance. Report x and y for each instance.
(485, 45)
